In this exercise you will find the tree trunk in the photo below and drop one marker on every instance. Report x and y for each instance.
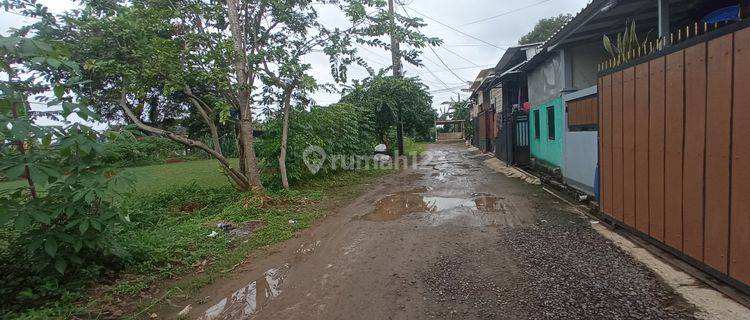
(208, 118)
(22, 150)
(239, 180)
(21, 144)
(284, 138)
(244, 87)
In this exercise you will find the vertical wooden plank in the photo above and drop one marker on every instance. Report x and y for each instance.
(606, 170)
(600, 153)
(599, 89)
(673, 146)
(695, 146)
(572, 114)
(628, 145)
(739, 256)
(641, 147)
(718, 121)
(617, 174)
(656, 149)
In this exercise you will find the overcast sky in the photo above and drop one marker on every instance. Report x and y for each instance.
(466, 54)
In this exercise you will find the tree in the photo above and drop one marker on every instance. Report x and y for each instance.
(212, 61)
(389, 101)
(290, 76)
(545, 28)
(66, 213)
(460, 110)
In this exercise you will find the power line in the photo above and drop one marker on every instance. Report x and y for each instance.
(467, 68)
(447, 87)
(435, 52)
(506, 13)
(458, 55)
(454, 29)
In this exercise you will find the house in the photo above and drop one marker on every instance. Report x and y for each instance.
(484, 111)
(663, 121)
(512, 145)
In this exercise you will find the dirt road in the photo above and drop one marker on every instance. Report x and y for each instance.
(450, 240)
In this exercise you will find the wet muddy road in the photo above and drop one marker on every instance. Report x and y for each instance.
(453, 240)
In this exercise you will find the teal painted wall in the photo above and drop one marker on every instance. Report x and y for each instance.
(543, 148)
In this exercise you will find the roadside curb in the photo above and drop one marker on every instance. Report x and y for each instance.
(511, 172)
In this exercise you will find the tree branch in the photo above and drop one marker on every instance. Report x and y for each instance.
(237, 178)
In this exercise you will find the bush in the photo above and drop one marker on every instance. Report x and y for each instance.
(339, 129)
(128, 150)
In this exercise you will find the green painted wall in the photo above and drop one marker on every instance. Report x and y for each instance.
(543, 148)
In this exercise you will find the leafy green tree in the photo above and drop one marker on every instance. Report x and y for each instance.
(545, 28)
(66, 214)
(389, 101)
(158, 59)
(460, 110)
(291, 76)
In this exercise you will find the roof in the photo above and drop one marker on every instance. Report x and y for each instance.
(607, 17)
(513, 56)
(483, 75)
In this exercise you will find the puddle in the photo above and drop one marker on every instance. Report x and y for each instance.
(248, 300)
(394, 206)
(397, 205)
(485, 202)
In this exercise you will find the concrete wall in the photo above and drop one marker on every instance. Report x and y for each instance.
(542, 148)
(579, 163)
(546, 81)
(580, 151)
(584, 60)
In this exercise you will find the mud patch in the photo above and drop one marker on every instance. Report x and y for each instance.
(248, 300)
(396, 205)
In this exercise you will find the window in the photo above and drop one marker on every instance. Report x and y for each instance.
(551, 122)
(537, 127)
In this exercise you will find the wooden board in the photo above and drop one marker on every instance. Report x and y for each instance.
(617, 172)
(600, 85)
(628, 145)
(673, 146)
(656, 148)
(739, 255)
(718, 121)
(641, 147)
(694, 154)
(606, 168)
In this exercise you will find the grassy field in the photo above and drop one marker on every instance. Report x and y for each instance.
(159, 177)
(172, 211)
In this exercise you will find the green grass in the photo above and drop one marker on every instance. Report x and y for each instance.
(174, 208)
(150, 179)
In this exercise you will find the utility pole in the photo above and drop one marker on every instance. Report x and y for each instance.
(396, 60)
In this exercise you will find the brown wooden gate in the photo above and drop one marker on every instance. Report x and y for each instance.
(675, 150)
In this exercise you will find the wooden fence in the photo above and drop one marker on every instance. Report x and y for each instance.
(583, 112)
(675, 150)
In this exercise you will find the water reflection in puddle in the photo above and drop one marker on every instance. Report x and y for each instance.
(396, 205)
(248, 300)
(393, 206)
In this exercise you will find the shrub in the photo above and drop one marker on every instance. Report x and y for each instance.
(128, 150)
(338, 129)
